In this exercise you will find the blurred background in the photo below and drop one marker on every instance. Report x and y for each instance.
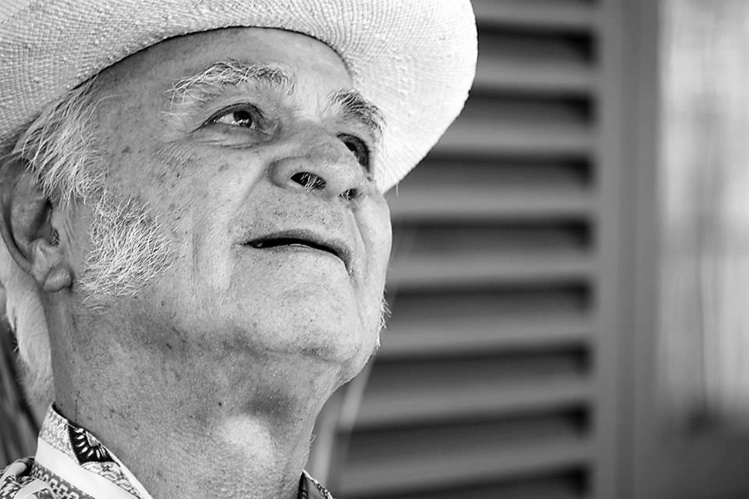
(567, 285)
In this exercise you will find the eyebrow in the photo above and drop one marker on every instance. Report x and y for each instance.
(356, 107)
(210, 83)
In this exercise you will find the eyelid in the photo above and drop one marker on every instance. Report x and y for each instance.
(240, 106)
(368, 150)
(366, 136)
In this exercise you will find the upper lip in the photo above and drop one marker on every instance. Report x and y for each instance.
(310, 238)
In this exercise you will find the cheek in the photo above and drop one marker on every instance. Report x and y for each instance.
(376, 232)
(220, 188)
(378, 235)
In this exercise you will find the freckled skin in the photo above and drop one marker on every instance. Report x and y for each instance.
(233, 347)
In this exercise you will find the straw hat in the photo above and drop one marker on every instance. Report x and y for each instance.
(415, 59)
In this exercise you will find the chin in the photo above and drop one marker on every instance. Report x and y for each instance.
(347, 348)
(336, 343)
(327, 323)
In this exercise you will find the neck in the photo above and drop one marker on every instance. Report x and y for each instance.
(176, 452)
(200, 426)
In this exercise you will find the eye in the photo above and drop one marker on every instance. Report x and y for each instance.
(357, 147)
(240, 116)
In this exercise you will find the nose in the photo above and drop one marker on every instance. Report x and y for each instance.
(323, 167)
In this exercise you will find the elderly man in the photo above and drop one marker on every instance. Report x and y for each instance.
(195, 234)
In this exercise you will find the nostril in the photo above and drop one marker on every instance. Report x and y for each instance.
(309, 181)
(350, 194)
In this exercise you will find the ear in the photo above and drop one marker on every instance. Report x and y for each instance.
(26, 228)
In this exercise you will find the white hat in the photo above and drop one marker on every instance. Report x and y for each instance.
(414, 59)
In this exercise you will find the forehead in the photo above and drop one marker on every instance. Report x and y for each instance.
(170, 60)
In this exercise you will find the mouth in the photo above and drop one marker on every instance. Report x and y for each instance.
(302, 239)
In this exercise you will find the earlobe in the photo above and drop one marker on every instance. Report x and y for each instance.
(25, 225)
(49, 268)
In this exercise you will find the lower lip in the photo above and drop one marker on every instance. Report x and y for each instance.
(301, 249)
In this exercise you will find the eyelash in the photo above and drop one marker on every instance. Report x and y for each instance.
(255, 115)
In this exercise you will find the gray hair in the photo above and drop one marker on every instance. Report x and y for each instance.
(128, 247)
(57, 149)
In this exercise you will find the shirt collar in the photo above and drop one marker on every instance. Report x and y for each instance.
(72, 453)
(72, 457)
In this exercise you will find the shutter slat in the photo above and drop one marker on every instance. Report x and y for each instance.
(487, 268)
(404, 404)
(532, 64)
(489, 127)
(524, 77)
(444, 255)
(480, 202)
(483, 386)
(571, 15)
(487, 321)
(482, 334)
(560, 486)
(447, 469)
(443, 457)
(486, 138)
(451, 192)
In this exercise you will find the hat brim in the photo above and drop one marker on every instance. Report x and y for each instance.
(414, 59)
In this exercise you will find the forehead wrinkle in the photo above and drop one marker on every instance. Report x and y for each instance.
(356, 107)
(213, 81)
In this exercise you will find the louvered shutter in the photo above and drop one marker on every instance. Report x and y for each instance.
(492, 378)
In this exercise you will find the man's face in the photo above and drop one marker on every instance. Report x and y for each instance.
(252, 156)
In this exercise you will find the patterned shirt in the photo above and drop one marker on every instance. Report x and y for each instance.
(70, 463)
